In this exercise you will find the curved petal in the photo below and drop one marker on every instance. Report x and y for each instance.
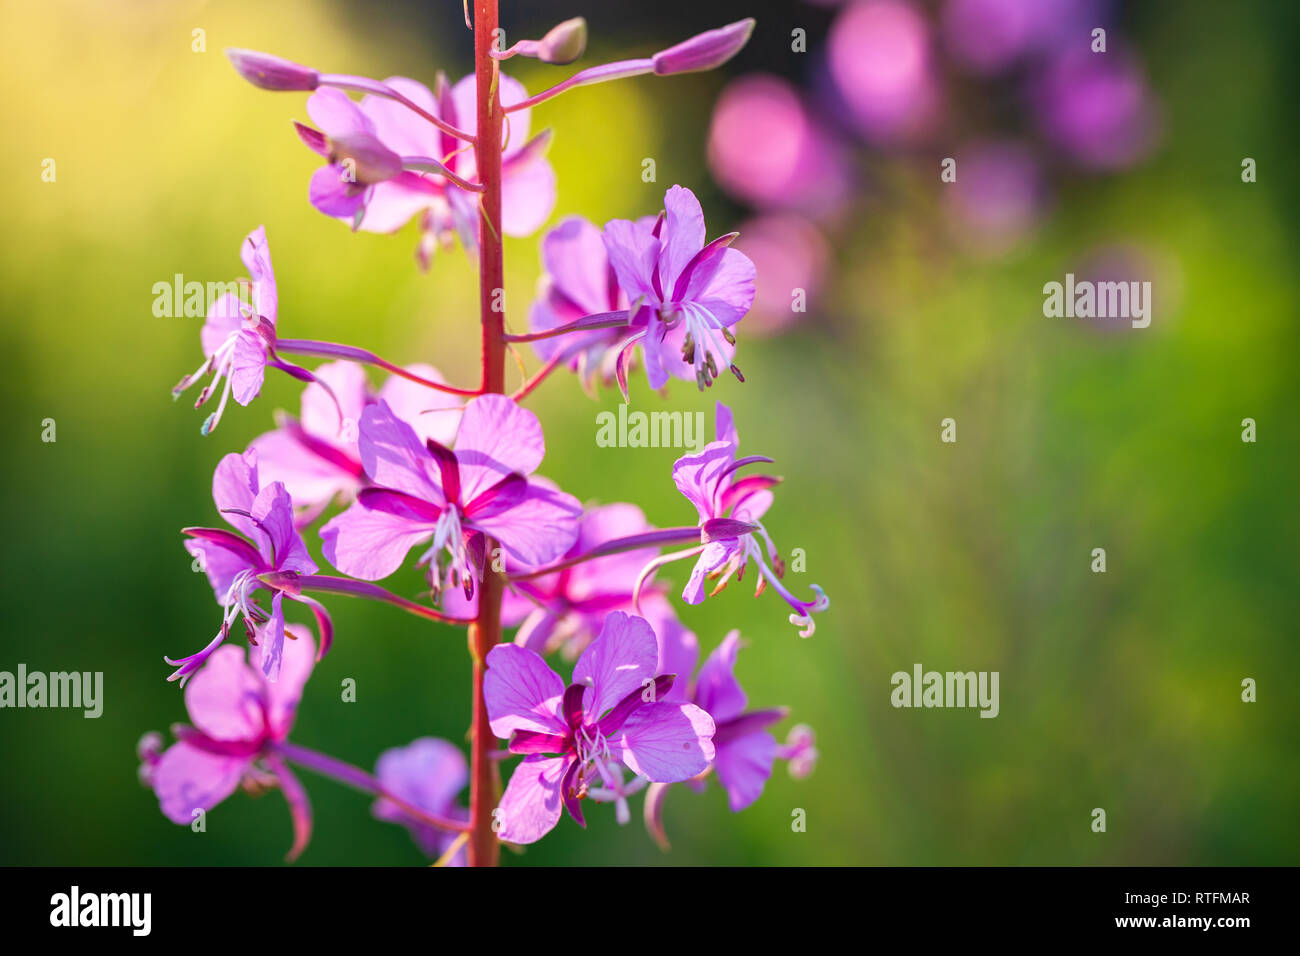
(714, 556)
(633, 253)
(573, 254)
(320, 416)
(522, 693)
(727, 290)
(330, 194)
(270, 639)
(395, 457)
(296, 664)
(234, 489)
(679, 649)
(527, 197)
(495, 439)
(666, 741)
(395, 201)
(616, 663)
(401, 129)
(299, 806)
(336, 114)
(224, 699)
(716, 688)
(683, 234)
(537, 528)
(700, 476)
(532, 804)
(309, 478)
(221, 557)
(370, 543)
(743, 766)
(186, 779)
(273, 513)
(247, 366)
(255, 253)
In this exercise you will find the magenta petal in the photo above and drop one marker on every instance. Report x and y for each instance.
(714, 556)
(729, 291)
(335, 113)
(234, 488)
(573, 254)
(255, 254)
(186, 779)
(536, 529)
(371, 544)
(743, 766)
(527, 196)
(633, 254)
(716, 687)
(273, 513)
(496, 437)
(221, 556)
(666, 741)
(298, 658)
(683, 234)
(225, 698)
(248, 366)
(299, 806)
(616, 663)
(270, 637)
(522, 693)
(531, 805)
(394, 456)
(699, 476)
(332, 195)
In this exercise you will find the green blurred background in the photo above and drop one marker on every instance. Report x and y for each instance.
(1119, 691)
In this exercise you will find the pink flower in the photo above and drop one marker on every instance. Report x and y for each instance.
(263, 515)
(238, 339)
(611, 715)
(315, 456)
(239, 717)
(686, 294)
(528, 180)
(427, 773)
(423, 490)
(730, 510)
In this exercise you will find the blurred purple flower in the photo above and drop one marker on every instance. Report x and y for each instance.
(1098, 109)
(998, 196)
(577, 736)
(880, 58)
(791, 256)
(239, 716)
(768, 150)
(427, 773)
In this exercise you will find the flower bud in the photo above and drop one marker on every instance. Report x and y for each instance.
(564, 42)
(705, 51)
(272, 72)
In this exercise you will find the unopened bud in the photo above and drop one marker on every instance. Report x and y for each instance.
(705, 51)
(273, 72)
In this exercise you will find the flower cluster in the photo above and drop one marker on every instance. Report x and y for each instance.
(418, 471)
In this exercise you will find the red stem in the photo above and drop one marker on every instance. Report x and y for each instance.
(485, 632)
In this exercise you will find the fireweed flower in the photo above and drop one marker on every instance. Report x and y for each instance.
(238, 339)
(423, 490)
(263, 515)
(730, 510)
(687, 295)
(427, 773)
(315, 455)
(745, 749)
(239, 716)
(446, 211)
(576, 737)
